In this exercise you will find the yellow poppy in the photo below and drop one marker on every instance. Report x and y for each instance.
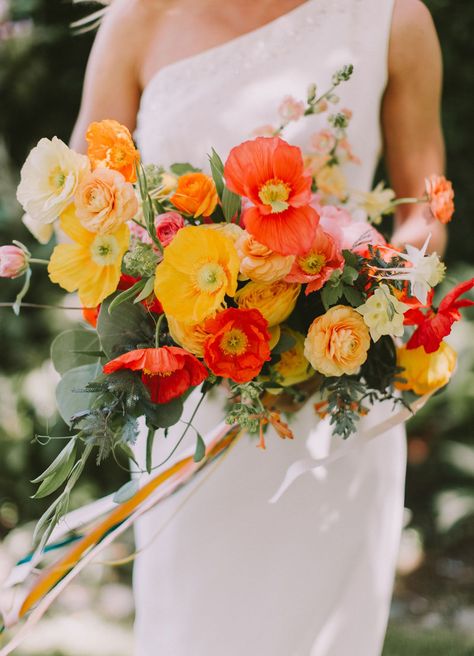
(199, 267)
(91, 264)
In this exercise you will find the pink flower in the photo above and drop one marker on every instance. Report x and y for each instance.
(316, 266)
(347, 113)
(348, 233)
(323, 142)
(13, 261)
(266, 130)
(291, 109)
(138, 233)
(167, 225)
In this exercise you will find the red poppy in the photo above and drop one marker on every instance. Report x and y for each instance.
(167, 371)
(151, 303)
(434, 325)
(238, 344)
(91, 315)
(270, 173)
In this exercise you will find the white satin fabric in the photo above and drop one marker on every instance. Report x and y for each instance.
(230, 574)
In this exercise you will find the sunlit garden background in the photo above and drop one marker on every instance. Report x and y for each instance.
(41, 72)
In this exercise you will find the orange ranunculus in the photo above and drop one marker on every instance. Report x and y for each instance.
(316, 266)
(425, 372)
(167, 371)
(238, 344)
(440, 197)
(195, 194)
(111, 145)
(270, 173)
(258, 262)
(104, 201)
(337, 342)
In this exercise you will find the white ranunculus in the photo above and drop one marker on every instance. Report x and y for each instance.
(49, 179)
(42, 232)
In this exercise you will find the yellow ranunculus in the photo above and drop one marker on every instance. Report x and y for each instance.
(49, 179)
(337, 342)
(293, 367)
(331, 181)
(190, 336)
(276, 301)
(425, 372)
(91, 264)
(199, 267)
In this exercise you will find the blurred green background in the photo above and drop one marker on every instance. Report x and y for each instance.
(41, 72)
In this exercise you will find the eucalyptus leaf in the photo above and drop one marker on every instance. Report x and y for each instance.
(285, 343)
(127, 491)
(163, 415)
(70, 349)
(353, 296)
(69, 400)
(330, 295)
(200, 451)
(123, 330)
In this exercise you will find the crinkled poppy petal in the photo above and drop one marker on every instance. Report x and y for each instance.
(289, 233)
(133, 360)
(249, 166)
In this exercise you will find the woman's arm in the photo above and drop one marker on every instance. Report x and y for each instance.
(112, 81)
(414, 146)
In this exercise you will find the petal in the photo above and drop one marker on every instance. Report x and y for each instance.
(133, 360)
(288, 233)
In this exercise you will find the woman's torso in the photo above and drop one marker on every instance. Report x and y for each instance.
(220, 96)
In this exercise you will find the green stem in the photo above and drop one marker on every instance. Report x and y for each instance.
(188, 426)
(41, 307)
(157, 330)
(405, 201)
(37, 260)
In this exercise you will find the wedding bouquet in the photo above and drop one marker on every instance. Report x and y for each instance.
(260, 276)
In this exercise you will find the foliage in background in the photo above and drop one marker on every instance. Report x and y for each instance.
(41, 72)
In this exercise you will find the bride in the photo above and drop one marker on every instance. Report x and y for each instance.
(229, 574)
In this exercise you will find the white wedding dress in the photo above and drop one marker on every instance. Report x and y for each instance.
(231, 574)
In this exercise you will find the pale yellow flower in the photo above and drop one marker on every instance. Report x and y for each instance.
(383, 313)
(49, 179)
(276, 301)
(331, 181)
(42, 232)
(377, 202)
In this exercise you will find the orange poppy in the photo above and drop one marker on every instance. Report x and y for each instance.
(238, 344)
(167, 372)
(110, 145)
(270, 173)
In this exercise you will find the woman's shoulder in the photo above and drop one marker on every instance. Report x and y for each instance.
(413, 38)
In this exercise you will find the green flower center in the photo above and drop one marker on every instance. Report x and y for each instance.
(210, 278)
(105, 250)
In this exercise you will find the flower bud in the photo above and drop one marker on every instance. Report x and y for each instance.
(13, 261)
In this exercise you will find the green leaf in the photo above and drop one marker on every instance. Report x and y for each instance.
(56, 479)
(330, 295)
(70, 349)
(123, 330)
(353, 296)
(231, 204)
(58, 462)
(200, 451)
(146, 291)
(126, 295)
(149, 448)
(163, 415)
(285, 343)
(349, 275)
(71, 402)
(180, 168)
(217, 171)
(127, 491)
(128, 452)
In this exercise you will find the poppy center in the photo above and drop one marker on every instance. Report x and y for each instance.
(275, 193)
(162, 374)
(312, 263)
(210, 277)
(234, 342)
(57, 178)
(105, 250)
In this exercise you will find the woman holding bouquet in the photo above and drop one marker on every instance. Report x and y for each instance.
(311, 575)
